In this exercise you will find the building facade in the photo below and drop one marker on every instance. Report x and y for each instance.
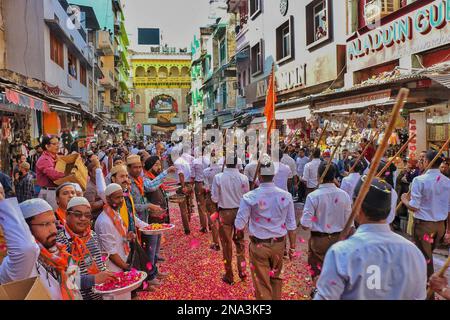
(161, 83)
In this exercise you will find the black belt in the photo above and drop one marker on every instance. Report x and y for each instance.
(271, 240)
(420, 220)
(322, 234)
(49, 188)
(228, 209)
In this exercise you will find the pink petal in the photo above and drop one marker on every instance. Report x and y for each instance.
(149, 266)
(336, 200)
(333, 283)
(194, 244)
(328, 226)
(438, 178)
(428, 261)
(257, 219)
(302, 240)
(214, 216)
(283, 226)
(314, 219)
(282, 199)
(144, 285)
(243, 264)
(268, 219)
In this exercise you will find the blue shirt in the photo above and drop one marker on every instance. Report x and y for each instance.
(268, 210)
(373, 264)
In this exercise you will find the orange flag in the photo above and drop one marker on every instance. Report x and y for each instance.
(271, 100)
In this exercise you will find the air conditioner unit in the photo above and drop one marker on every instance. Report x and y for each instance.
(377, 9)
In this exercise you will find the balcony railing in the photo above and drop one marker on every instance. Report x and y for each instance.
(105, 43)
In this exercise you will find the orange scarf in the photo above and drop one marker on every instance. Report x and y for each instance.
(59, 261)
(140, 184)
(120, 226)
(80, 249)
(61, 215)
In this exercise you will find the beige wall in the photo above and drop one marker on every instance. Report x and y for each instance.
(2, 38)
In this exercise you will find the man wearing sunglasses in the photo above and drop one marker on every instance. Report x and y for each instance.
(82, 243)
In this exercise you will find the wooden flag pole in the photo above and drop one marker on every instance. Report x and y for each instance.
(428, 167)
(399, 103)
(440, 274)
(364, 150)
(399, 152)
(321, 135)
(338, 145)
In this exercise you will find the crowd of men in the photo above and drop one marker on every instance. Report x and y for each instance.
(73, 239)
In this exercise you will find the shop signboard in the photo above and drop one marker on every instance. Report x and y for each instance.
(423, 29)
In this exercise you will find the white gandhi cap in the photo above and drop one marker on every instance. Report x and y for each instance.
(78, 201)
(113, 187)
(34, 207)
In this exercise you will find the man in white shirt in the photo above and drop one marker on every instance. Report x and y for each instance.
(430, 202)
(112, 232)
(250, 170)
(269, 213)
(301, 161)
(349, 182)
(326, 212)
(211, 207)
(287, 160)
(310, 176)
(283, 174)
(227, 191)
(374, 263)
(199, 165)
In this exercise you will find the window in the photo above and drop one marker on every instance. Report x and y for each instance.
(138, 99)
(255, 8)
(72, 65)
(318, 23)
(285, 41)
(56, 50)
(222, 52)
(257, 58)
(83, 75)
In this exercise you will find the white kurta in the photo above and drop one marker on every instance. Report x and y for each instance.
(111, 242)
(228, 188)
(373, 264)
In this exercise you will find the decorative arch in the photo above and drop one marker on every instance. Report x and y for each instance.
(140, 72)
(138, 99)
(164, 103)
(163, 72)
(184, 71)
(151, 72)
(174, 72)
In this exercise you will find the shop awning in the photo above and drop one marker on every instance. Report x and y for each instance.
(25, 100)
(64, 109)
(228, 124)
(258, 120)
(295, 113)
(442, 79)
(354, 102)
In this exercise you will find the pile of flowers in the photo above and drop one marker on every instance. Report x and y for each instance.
(124, 279)
(158, 226)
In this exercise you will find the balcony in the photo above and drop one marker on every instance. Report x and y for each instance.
(170, 82)
(104, 45)
(108, 80)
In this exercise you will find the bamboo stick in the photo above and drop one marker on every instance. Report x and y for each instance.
(399, 152)
(400, 102)
(321, 135)
(364, 150)
(428, 167)
(338, 145)
(440, 274)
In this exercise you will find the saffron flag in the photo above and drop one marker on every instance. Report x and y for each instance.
(271, 100)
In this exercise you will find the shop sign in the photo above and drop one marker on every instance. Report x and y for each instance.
(355, 101)
(291, 78)
(417, 31)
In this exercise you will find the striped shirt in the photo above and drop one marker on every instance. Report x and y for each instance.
(93, 246)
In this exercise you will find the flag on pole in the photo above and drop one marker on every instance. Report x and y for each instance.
(271, 100)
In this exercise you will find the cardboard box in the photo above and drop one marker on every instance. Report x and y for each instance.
(29, 289)
(74, 168)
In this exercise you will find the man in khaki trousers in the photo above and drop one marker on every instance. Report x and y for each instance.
(227, 191)
(269, 213)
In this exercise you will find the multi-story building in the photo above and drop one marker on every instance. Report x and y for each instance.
(161, 83)
(55, 49)
(200, 70)
(304, 41)
(113, 47)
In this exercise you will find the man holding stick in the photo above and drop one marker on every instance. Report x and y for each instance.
(430, 202)
(310, 176)
(375, 263)
(325, 213)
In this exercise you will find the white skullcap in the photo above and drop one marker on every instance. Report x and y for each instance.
(34, 207)
(78, 201)
(113, 187)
